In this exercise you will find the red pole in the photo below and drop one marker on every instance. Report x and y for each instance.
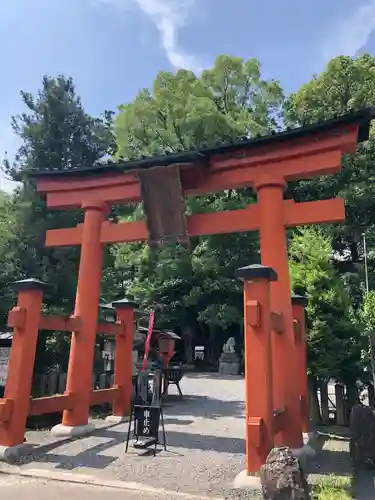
(24, 318)
(148, 339)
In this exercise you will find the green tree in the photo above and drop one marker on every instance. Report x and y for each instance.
(185, 111)
(334, 341)
(345, 85)
(56, 134)
(196, 288)
(9, 261)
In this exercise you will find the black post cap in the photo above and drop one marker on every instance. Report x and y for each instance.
(124, 303)
(299, 300)
(29, 284)
(256, 272)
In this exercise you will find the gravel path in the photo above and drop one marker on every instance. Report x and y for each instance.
(205, 439)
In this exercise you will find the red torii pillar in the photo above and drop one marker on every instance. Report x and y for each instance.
(274, 253)
(81, 359)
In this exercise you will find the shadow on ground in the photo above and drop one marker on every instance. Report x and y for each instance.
(92, 456)
(203, 407)
(333, 458)
(214, 376)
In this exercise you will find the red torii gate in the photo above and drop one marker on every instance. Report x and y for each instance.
(276, 411)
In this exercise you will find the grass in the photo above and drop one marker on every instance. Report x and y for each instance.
(332, 488)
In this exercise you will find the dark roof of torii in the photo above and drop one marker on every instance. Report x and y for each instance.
(362, 118)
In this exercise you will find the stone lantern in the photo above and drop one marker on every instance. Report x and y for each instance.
(166, 342)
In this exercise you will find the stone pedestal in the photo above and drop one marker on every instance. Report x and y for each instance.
(362, 437)
(229, 364)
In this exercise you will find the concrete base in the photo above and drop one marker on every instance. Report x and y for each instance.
(304, 454)
(229, 368)
(66, 431)
(13, 453)
(245, 482)
(114, 419)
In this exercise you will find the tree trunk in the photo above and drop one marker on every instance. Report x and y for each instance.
(340, 405)
(352, 397)
(314, 407)
(324, 402)
(211, 354)
(188, 345)
(371, 395)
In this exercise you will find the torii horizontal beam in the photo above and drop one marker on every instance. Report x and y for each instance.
(295, 214)
(321, 156)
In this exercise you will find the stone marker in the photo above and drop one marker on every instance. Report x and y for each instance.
(362, 437)
(282, 477)
(229, 363)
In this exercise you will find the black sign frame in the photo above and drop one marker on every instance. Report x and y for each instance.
(147, 420)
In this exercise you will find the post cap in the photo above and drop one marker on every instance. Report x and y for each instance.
(29, 284)
(299, 300)
(124, 303)
(256, 271)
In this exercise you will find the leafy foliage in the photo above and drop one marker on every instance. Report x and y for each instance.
(334, 342)
(56, 133)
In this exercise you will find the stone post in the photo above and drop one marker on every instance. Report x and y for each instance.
(299, 316)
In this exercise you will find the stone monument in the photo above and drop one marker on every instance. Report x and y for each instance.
(282, 477)
(229, 363)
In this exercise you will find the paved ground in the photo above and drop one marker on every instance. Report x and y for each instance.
(12, 487)
(205, 440)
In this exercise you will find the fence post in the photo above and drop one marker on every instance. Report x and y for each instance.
(24, 319)
(299, 320)
(324, 401)
(124, 357)
(258, 364)
(340, 405)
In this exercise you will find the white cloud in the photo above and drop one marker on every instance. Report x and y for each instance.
(350, 34)
(169, 17)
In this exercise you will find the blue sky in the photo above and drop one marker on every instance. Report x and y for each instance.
(114, 47)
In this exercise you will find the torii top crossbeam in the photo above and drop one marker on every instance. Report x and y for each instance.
(294, 154)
